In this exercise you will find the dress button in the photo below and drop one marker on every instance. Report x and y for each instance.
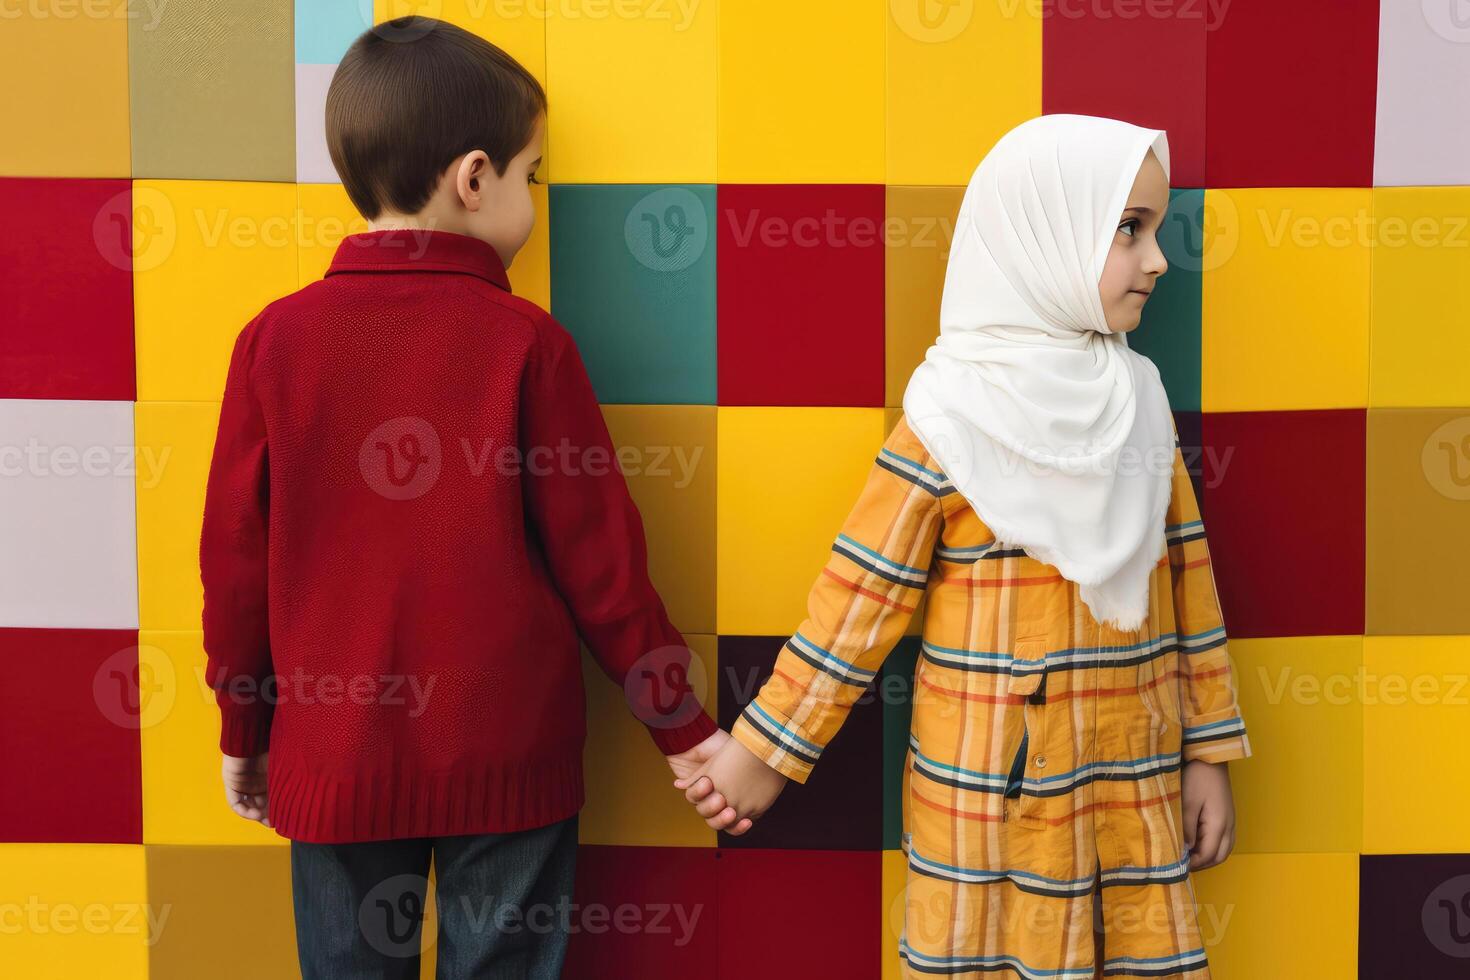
(1040, 761)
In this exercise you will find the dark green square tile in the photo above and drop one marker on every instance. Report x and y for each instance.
(633, 279)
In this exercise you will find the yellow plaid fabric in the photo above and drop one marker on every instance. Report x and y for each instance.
(1011, 857)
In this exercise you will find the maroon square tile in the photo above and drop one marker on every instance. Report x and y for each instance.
(646, 912)
(1285, 498)
(1079, 50)
(801, 914)
(66, 289)
(69, 724)
(1291, 90)
(800, 294)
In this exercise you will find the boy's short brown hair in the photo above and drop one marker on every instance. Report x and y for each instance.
(410, 96)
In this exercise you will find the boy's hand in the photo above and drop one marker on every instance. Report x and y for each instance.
(734, 789)
(245, 787)
(1209, 813)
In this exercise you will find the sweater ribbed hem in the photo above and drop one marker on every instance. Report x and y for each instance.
(245, 729)
(390, 803)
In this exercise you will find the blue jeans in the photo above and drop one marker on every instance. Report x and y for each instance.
(502, 902)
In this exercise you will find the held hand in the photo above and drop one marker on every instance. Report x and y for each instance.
(687, 762)
(1209, 813)
(245, 787)
(733, 789)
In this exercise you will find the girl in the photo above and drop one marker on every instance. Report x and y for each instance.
(1072, 710)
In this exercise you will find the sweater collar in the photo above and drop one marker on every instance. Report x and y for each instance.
(419, 250)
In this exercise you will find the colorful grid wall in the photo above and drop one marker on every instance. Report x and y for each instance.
(746, 230)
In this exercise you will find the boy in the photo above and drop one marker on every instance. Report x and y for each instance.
(405, 535)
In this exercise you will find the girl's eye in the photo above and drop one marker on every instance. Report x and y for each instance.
(1129, 227)
(532, 179)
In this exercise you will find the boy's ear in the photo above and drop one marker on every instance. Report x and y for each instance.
(469, 178)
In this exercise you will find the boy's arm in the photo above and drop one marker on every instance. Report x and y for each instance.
(232, 564)
(1213, 728)
(592, 535)
(857, 610)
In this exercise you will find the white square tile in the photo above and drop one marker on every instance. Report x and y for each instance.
(68, 522)
(1422, 137)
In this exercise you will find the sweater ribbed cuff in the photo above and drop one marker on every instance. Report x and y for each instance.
(672, 741)
(245, 729)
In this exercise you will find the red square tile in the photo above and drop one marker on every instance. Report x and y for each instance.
(800, 294)
(1080, 48)
(801, 914)
(1285, 512)
(69, 719)
(647, 912)
(66, 298)
(1291, 90)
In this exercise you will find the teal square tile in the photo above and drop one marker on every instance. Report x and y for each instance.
(1169, 333)
(633, 280)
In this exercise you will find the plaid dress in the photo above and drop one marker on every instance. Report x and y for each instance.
(1045, 752)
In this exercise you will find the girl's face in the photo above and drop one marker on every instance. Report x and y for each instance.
(1135, 260)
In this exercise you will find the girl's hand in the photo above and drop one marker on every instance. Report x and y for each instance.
(1209, 813)
(733, 789)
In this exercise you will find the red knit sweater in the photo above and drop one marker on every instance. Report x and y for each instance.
(413, 512)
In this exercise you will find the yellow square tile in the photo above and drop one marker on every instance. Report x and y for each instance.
(1299, 697)
(801, 91)
(668, 459)
(1417, 522)
(67, 112)
(76, 910)
(1296, 912)
(632, 91)
(1415, 716)
(208, 256)
(202, 888)
(1285, 309)
(631, 798)
(920, 230)
(788, 478)
(326, 216)
(518, 27)
(175, 441)
(183, 793)
(957, 47)
(1421, 289)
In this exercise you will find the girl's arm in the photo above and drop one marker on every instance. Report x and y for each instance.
(857, 610)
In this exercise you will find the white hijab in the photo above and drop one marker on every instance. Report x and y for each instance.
(1057, 433)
